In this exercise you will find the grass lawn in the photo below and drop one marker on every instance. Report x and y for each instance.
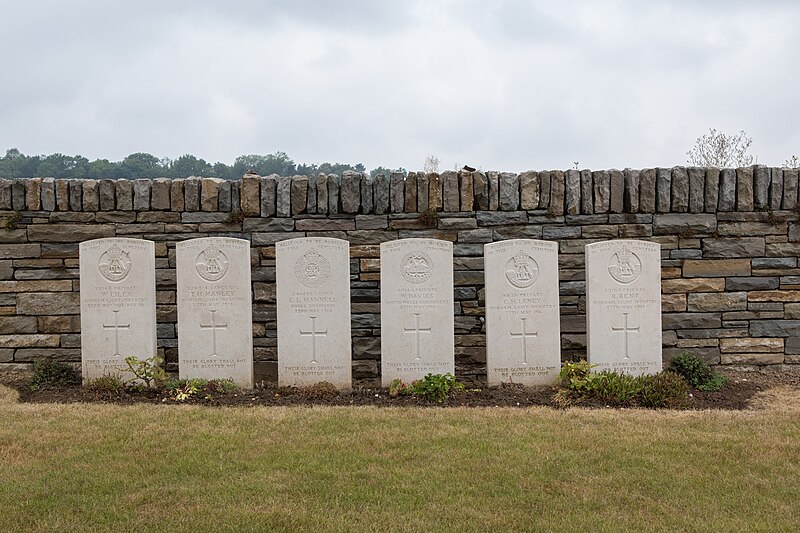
(190, 468)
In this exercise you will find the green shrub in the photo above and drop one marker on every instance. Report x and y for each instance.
(108, 383)
(148, 370)
(52, 373)
(614, 388)
(664, 390)
(577, 376)
(436, 387)
(183, 389)
(398, 388)
(697, 372)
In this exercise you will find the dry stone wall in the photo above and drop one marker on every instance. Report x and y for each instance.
(730, 241)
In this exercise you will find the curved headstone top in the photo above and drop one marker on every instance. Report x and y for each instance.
(215, 317)
(416, 309)
(623, 306)
(313, 295)
(118, 304)
(523, 340)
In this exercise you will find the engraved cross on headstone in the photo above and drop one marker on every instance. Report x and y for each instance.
(625, 329)
(116, 327)
(525, 334)
(313, 334)
(214, 327)
(417, 331)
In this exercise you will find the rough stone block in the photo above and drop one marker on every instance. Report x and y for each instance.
(678, 285)
(161, 189)
(557, 192)
(299, 195)
(529, 189)
(5, 195)
(790, 188)
(601, 181)
(450, 191)
(774, 328)
(48, 194)
(647, 190)
(494, 190)
(546, 189)
(734, 247)
(508, 191)
(177, 196)
(744, 189)
(250, 194)
(322, 193)
(397, 192)
(748, 345)
(410, 202)
(727, 189)
(367, 199)
(680, 321)
(663, 189)
(224, 201)
(573, 191)
(334, 203)
(679, 224)
(697, 183)
(466, 190)
(617, 204)
(712, 189)
(586, 192)
(480, 186)
(761, 180)
(48, 303)
(141, 194)
(269, 193)
(680, 190)
(91, 196)
(774, 296)
(715, 268)
(752, 359)
(434, 192)
(751, 283)
(33, 194)
(351, 191)
(209, 194)
(630, 198)
(673, 303)
(283, 196)
(717, 301)
(68, 232)
(62, 195)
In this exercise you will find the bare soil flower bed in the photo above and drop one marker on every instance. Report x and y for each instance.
(736, 395)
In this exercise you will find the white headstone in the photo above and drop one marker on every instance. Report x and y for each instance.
(215, 317)
(416, 309)
(623, 306)
(523, 334)
(313, 293)
(118, 304)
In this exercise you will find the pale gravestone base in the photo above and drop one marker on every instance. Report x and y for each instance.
(416, 309)
(215, 317)
(523, 340)
(313, 294)
(118, 305)
(623, 306)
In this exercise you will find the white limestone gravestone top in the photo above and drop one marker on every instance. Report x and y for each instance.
(313, 295)
(523, 340)
(118, 304)
(215, 317)
(416, 309)
(623, 306)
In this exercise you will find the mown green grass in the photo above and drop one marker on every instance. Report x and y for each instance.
(186, 468)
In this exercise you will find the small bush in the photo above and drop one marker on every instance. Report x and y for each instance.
(577, 376)
(321, 390)
(185, 389)
(697, 372)
(614, 388)
(52, 373)
(398, 388)
(436, 387)
(664, 390)
(148, 370)
(107, 384)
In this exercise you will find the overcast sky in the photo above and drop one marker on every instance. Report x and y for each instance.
(505, 85)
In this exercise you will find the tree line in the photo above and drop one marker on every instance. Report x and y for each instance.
(143, 165)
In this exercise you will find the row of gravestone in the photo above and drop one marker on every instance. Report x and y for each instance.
(118, 311)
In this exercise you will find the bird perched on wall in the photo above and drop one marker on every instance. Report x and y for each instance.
(250, 171)
(468, 168)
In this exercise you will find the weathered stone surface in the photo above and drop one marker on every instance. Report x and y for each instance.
(33, 194)
(774, 262)
(177, 196)
(380, 192)
(734, 247)
(18, 195)
(29, 341)
(215, 326)
(91, 196)
(494, 190)
(141, 194)
(269, 195)
(160, 194)
(697, 183)
(397, 192)
(630, 197)
(435, 200)
(680, 224)
(106, 195)
(283, 196)
(5, 195)
(423, 191)
(62, 195)
(494, 218)
(712, 189)
(751, 283)
(744, 189)
(18, 324)
(673, 303)
(601, 180)
(680, 190)
(774, 328)
(299, 195)
(410, 198)
(523, 341)
(224, 200)
(586, 192)
(573, 191)
(118, 304)
(545, 189)
(416, 309)
(693, 285)
(727, 189)
(351, 191)
(68, 232)
(774, 296)
(48, 194)
(691, 320)
(791, 311)
(617, 184)
(466, 191)
(509, 191)
(480, 185)
(250, 194)
(334, 202)
(751, 228)
(209, 193)
(761, 187)
(450, 192)
(775, 189)
(48, 303)
(367, 200)
(663, 189)
(790, 188)
(716, 268)
(529, 189)
(647, 190)
(717, 301)
(623, 306)
(313, 301)
(557, 191)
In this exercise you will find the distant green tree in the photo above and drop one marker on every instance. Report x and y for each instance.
(188, 165)
(100, 169)
(17, 165)
(377, 171)
(63, 166)
(277, 163)
(142, 165)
